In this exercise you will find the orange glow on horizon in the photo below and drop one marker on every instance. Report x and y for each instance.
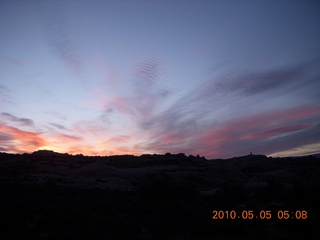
(20, 141)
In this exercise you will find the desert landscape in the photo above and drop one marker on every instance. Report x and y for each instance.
(159, 120)
(49, 195)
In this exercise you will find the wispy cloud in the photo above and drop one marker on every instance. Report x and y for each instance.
(147, 93)
(118, 139)
(67, 138)
(146, 84)
(303, 150)
(221, 118)
(20, 121)
(146, 76)
(276, 132)
(19, 141)
(59, 39)
(262, 133)
(218, 122)
(301, 80)
(58, 126)
(224, 117)
(255, 83)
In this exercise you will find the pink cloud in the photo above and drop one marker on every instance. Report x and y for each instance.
(118, 139)
(241, 134)
(275, 131)
(67, 138)
(173, 133)
(21, 141)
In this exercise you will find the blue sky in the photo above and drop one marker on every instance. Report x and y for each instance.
(215, 78)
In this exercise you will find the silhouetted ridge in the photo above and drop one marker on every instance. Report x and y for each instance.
(46, 152)
(167, 194)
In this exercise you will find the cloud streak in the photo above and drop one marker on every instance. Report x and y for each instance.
(58, 126)
(20, 121)
(19, 141)
(219, 120)
(60, 41)
(142, 87)
(200, 123)
(262, 132)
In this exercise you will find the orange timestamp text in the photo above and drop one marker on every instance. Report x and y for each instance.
(263, 214)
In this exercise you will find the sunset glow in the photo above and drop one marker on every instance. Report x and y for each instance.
(215, 78)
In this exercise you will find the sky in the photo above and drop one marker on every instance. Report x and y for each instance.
(215, 78)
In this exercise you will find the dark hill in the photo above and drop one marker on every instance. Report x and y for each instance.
(49, 195)
(46, 153)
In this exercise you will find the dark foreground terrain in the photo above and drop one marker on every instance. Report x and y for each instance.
(47, 195)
